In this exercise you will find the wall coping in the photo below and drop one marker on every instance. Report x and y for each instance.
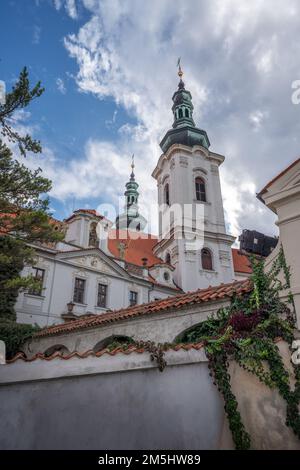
(39, 369)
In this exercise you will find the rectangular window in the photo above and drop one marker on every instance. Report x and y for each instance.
(102, 295)
(133, 296)
(38, 275)
(79, 290)
(200, 190)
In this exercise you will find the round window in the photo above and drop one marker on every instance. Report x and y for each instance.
(166, 276)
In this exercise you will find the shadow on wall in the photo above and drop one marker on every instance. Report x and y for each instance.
(112, 341)
(57, 348)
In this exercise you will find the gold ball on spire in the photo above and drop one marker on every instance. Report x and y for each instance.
(180, 72)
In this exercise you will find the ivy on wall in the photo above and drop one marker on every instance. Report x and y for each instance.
(245, 332)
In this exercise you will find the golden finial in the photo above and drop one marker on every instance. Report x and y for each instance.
(180, 72)
(132, 168)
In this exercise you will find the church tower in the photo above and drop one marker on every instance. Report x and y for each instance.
(131, 218)
(192, 233)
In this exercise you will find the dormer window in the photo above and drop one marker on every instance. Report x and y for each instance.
(167, 194)
(200, 189)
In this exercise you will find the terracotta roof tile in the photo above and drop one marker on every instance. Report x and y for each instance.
(137, 246)
(222, 291)
(119, 350)
(130, 349)
(241, 262)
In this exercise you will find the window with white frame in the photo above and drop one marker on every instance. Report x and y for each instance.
(133, 298)
(79, 289)
(200, 189)
(38, 275)
(102, 295)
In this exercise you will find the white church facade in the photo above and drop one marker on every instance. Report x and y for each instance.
(107, 265)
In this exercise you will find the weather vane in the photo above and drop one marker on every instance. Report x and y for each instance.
(180, 72)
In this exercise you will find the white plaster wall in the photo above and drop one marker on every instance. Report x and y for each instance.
(179, 168)
(120, 402)
(37, 309)
(289, 227)
(283, 197)
(62, 404)
(59, 288)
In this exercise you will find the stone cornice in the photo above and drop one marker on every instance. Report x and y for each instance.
(196, 149)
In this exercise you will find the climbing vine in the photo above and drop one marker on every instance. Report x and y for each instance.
(246, 332)
(156, 351)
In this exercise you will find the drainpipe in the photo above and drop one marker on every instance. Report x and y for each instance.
(51, 291)
(150, 290)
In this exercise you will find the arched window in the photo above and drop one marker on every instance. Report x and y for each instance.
(206, 259)
(200, 189)
(168, 258)
(187, 114)
(180, 113)
(167, 194)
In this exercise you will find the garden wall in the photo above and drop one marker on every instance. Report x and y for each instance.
(124, 402)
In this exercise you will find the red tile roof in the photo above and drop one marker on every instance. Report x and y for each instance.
(130, 349)
(20, 356)
(221, 292)
(137, 246)
(85, 211)
(241, 262)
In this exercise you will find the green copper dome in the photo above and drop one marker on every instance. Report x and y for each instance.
(131, 218)
(184, 130)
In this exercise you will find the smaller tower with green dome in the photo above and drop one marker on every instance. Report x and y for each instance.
(131, 219)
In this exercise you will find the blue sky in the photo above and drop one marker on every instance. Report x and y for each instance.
(33, 33)
(109, 69)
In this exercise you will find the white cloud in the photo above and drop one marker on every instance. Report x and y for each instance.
(256, 119)
(71, 9)
(36, 34)
(230, 52)
(110, 123)
(57, 4)
(61, 86)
